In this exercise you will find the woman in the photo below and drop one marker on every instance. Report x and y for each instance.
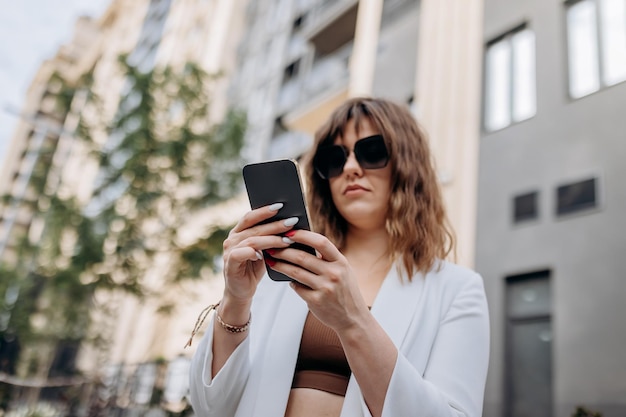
(378, 323)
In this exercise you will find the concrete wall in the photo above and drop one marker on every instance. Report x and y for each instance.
(566, 141)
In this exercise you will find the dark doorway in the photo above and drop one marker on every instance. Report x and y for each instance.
(529, 346)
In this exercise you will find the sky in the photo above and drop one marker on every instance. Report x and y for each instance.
(31, 31)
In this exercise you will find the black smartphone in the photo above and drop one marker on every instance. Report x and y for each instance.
(278, 181)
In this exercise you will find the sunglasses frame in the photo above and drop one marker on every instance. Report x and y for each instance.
(346, 154)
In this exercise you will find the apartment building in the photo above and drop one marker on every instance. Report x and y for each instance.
(42, 129)
(550, 242)
(146, 347)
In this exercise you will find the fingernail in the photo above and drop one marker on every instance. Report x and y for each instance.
(271, 252)
(290, 221)
(290, 233)
(270, 262)
(288, 241)
(276, 206)
(258, 254)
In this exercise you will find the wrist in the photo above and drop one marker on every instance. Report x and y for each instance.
(233, 310)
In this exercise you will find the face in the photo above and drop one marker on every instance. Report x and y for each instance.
(361, 195)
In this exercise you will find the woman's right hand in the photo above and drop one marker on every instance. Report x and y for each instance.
(243, 260)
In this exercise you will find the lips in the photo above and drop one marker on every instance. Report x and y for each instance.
(354, 187)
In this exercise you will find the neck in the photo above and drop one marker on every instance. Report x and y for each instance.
(367, 246)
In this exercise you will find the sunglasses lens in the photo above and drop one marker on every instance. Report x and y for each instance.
(371, 152)
(329, 161)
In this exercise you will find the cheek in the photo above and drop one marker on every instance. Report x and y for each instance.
(384, 181)
(335, 187)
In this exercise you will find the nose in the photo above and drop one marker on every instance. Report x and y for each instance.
(352, 166)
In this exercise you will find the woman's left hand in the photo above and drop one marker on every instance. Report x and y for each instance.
(326, 282)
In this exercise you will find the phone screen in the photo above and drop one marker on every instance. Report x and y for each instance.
(278, 182)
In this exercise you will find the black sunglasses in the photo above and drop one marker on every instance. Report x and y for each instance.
(370, 152)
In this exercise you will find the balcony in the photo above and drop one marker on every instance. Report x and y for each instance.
(331, 24)
(289, 145)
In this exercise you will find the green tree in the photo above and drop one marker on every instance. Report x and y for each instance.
(163, 161)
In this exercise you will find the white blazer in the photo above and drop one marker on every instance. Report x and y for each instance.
(438, 321)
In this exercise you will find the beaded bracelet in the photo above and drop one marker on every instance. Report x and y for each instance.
(228, 327)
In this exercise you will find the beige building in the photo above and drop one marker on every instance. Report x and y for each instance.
(42, 128)
(168, 33)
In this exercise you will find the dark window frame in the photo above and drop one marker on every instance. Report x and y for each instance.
(524, 217)
(579, 202)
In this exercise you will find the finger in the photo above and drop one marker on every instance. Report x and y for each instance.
(296, 272)
(302, 290)
(261, 243)
(278, 227)
(242, 255)
(256, 216)
(299, 257)
(324, 247)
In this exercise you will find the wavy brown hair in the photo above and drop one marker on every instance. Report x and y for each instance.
(418, 229)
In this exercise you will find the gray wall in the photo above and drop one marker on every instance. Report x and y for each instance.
(567, 140)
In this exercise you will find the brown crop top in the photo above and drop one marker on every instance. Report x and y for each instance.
(321, 362)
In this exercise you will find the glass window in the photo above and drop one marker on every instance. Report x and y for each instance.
(613, 18)
(510, 79)
(525, 207)
(596, 33)
(576, 197)
(524, 96)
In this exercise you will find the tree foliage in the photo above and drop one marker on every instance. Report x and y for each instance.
(162, 162)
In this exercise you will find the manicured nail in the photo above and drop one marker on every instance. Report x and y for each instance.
(270, 262)
(258, 254)
(290, 221)
(271, 252)
(290, 233)
(276, 206)
(288, 241)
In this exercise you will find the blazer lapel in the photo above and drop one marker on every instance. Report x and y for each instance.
(283, 342)
(394, 308)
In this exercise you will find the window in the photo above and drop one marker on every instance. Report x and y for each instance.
(576, 196)
(279, 127)
(525, 207)
(596, 40)
(510, 79)
(298, 22)
(291, 71)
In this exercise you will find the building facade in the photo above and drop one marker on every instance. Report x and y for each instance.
(550, 244)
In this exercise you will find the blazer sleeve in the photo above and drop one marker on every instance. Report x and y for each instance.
(218, 396)
(454, 378)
